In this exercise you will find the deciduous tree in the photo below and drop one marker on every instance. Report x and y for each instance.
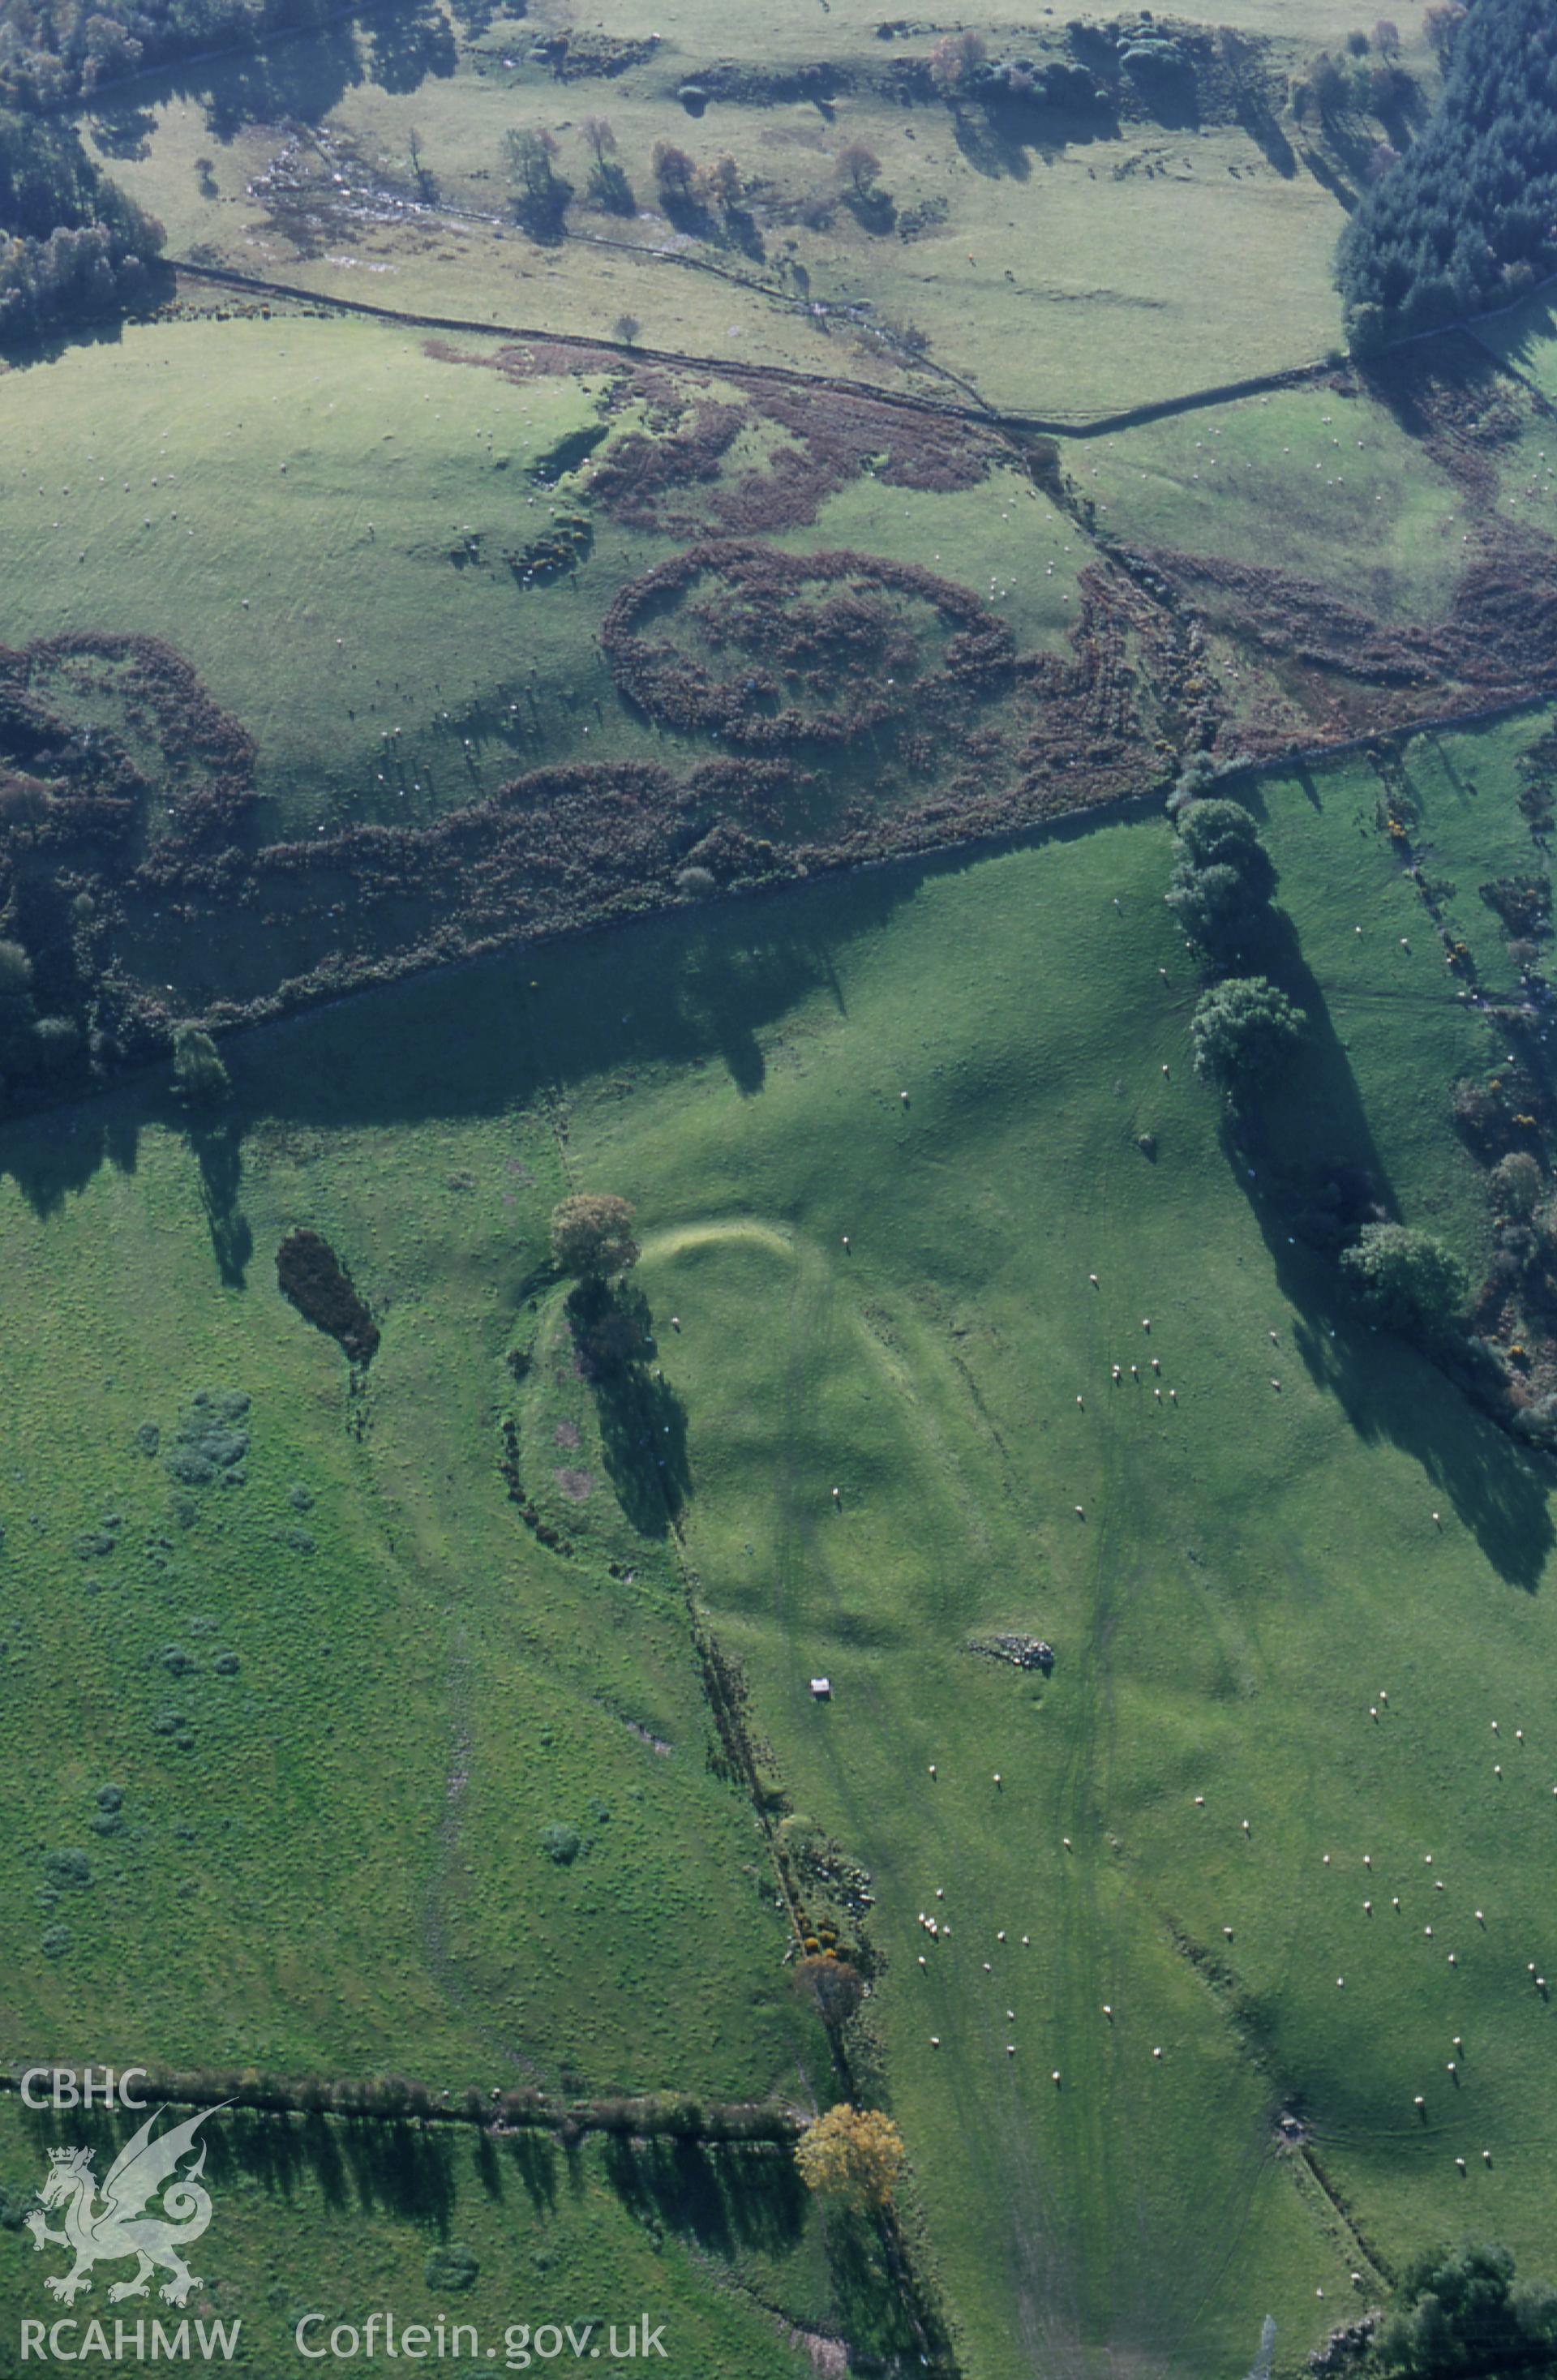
(591, 1236)
(852, 2153)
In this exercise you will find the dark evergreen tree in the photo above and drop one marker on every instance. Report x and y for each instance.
(1467, 220)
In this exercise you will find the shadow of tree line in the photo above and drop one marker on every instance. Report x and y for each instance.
(724, 2197)
(298, 74)
(1307, 1195)
(643, 1421)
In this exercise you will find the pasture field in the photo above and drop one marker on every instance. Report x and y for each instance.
(343, 600)
(1252, 1562)
(698, 24)
(341, 2221)
(344, 1701)
(1361, 509)
(447, 1714)
(361, 615)
(1060, 268)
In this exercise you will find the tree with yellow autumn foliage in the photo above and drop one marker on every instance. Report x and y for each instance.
(854, 2154)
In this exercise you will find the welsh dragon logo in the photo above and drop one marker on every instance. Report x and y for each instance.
(102, 2226)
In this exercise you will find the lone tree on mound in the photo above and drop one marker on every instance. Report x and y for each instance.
(591, 1236)
(1406, 1280)
(1244, 1032)
(199, 1079)
(852, 2153)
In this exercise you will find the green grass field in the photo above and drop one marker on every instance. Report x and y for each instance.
(339, 2222)
(1255, 1564)
(339, 602)
(367, 1722)
(1052, 271)
(1362, 510)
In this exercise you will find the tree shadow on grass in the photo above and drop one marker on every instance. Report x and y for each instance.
(403, 2169)
(643, 1421)
(867, 2295)
(491, 1036)
(994, 142)
(218, 1149)
(1256, 118)
(725, 2198)
(1537, 331)
(533, 2157)
(124, 131)
(1387, 1390)
(408, 45)
(305, 78)
(56, 1153)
